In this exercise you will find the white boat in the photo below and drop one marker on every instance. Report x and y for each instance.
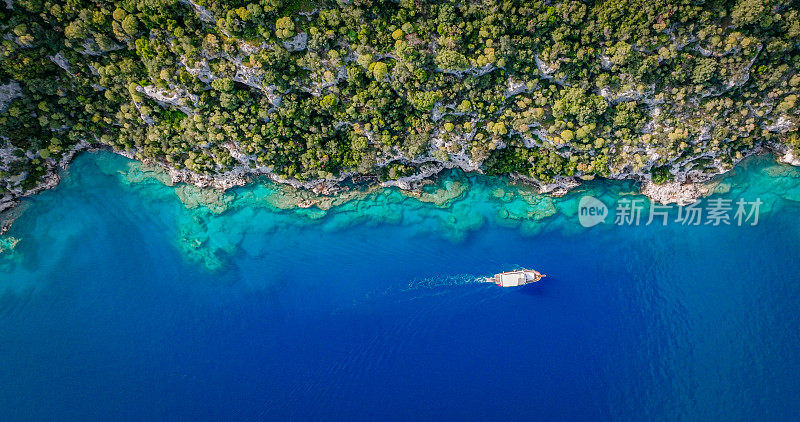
(515, 278)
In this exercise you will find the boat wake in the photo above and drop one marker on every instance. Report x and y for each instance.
(443, 281)
(419, 288)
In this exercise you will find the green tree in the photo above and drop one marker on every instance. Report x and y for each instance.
(703, 70)
(222, 84)
(284, 27)
(449, 59)
(328, 101)
(379, 70)
(130, 25)
(748, 12)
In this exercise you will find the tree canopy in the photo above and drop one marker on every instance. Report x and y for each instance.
(315, 90)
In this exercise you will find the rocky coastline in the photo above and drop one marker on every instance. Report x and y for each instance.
(685, 188)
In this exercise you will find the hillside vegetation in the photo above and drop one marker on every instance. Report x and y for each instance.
(544, 89)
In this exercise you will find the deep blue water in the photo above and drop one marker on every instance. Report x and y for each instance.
(106, 314)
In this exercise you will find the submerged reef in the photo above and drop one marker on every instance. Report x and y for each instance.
(213, 224)
(208, 225)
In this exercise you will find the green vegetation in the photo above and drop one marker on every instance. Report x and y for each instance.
(316, 90)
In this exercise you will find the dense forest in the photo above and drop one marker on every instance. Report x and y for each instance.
(322, 90)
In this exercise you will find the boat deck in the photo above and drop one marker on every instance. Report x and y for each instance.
(516, 278)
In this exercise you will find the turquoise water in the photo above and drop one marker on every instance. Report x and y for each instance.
(123, 298)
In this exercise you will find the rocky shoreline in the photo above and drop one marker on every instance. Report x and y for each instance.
(684, 189)
(50, 180)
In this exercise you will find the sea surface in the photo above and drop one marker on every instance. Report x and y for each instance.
(122, 298)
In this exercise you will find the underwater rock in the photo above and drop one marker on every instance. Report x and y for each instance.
(8, 243)
(681, 193)
(193, 197)
(139, 171)
(442, 195)
(222, 181)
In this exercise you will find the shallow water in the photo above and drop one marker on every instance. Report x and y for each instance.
(123, 298)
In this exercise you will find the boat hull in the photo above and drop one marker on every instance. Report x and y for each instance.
(516, 278)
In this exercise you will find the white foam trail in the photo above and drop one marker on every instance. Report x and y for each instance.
(443, 281)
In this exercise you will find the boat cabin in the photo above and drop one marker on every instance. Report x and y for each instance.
(516, 278)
